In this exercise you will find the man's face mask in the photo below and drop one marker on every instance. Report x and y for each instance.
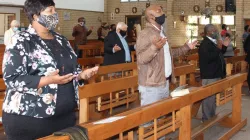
(123, 33)
(160, 20)
(214, 35)
(48, 21)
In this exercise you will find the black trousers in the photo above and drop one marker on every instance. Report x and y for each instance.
(77, 51)
(19, 127)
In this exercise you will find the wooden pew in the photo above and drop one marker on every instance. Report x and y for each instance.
(239, 65)
(236, 63)
(105, 72)
(91, 50)
(193, 59)
(134, 118)
(2, 95)
(2, 49)
(94, 104)
(182, 71)
(101, 102)
(112, 87)
(90, 62)
(236, 52)
(133, 56)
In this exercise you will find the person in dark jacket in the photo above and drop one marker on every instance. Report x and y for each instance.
(247, 50)
(116, 48)
(80, 33)
(103, 31)
(212, 65)
(245, 34)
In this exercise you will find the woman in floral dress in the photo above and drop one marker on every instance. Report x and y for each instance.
(42, 77)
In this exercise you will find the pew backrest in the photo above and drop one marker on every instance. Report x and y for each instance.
(90, 62)
(100, 89)
(106, 72)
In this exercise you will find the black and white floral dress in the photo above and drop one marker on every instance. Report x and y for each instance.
(29, 112)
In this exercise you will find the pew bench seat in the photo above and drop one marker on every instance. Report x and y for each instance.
(198, 131)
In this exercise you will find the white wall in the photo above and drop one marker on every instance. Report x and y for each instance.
(88, 5)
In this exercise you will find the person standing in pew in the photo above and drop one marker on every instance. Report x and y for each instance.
(245, 34)
(116, 48)
(102, 31)
(247, 51)
(112, 27)
(230, 50)
(14, 25)
(80, 33)
(42, 77)
(212, 65)
(155, 57)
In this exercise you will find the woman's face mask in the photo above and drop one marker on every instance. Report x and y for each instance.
(15, 29)
(48, 21)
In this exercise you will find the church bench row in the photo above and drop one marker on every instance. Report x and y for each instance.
(91, 50)
(135, 117)
(72, 42)
(120, 91)
(221, 98)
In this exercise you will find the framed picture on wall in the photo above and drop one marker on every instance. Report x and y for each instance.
(66, 16)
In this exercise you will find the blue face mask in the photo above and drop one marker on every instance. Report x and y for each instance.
(15, 29)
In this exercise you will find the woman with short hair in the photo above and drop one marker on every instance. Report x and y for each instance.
(42, 77)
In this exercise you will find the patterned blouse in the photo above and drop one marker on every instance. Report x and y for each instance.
(25, 62)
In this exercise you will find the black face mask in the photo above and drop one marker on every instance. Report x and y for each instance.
(123, 33)
(160, 20)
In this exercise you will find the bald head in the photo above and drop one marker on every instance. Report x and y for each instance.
(152, 12)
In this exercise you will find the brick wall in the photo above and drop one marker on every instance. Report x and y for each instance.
(187, 7)
(65, 26)
(173, 8)
(126, 9)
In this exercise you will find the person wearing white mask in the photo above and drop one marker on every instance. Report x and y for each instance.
(12, 31)
(80, 33)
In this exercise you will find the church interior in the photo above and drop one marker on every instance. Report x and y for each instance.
(64, 77)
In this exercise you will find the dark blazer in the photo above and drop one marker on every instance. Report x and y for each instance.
(111, 58)
(247, 48)
(211, 60)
